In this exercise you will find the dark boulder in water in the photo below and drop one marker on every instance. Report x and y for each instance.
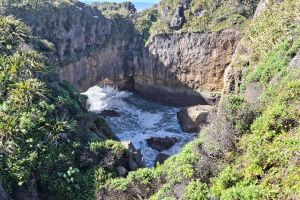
(161, 144)
(109, 113)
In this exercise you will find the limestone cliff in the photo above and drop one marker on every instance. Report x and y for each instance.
(174, 66)
(89, 47)
(177, 68)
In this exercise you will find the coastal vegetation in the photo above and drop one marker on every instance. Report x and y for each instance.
(47, 135)
(249, 150)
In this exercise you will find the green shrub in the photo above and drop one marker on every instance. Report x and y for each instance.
(39, 134)
(274, 63)
(12, 33)
(163, 193)
(196, 191)
(106, 144)
(239, 112)
(270, 28)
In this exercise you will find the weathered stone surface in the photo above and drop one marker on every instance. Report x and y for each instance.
(253, 92)
(132, 164)
(135, 154)
(121, 171)
(185, 69)
(261, 7)
(73, 28)
(107, 66)
(161, 144)
(191, 119)
(88, 49)
(233, 73)
(178, 18)
(160, 158)
(295, 62)
(107, 6)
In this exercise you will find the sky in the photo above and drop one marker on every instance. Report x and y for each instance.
(134, 1)
(139, 4)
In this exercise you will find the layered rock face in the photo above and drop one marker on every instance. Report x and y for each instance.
(89, 48)
(179, 69)
(107, 66)
(74, 28)
(188, 65)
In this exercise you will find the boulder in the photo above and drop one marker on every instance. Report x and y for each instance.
(121, 171)
(109, 113)
(192, 119)
(161, 144)
(132, 164)
(160, 158)
(136, 159)
(295, 62)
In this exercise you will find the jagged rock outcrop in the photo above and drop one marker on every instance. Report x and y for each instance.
(126, 6)
(185, 69)
(74, 28)
(178, 18)
(192, 119)
(161, 158)
(136, 159)
(161, 144)
(295, 62)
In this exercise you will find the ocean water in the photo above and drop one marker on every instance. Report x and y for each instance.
(139, 120)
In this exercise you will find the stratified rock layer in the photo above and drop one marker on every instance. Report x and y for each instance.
(185, 69)
(178, 68)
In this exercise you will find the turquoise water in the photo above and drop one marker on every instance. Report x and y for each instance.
(140, 4)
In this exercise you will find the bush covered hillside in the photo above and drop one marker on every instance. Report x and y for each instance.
(51, 147)
(47, 136)
(195, 16)
(251, 148)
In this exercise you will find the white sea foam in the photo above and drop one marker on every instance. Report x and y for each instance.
(139, 120)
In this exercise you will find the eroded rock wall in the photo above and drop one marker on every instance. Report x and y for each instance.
(185, 65)
(177, 68)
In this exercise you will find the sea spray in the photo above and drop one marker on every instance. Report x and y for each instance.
(138, 120)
